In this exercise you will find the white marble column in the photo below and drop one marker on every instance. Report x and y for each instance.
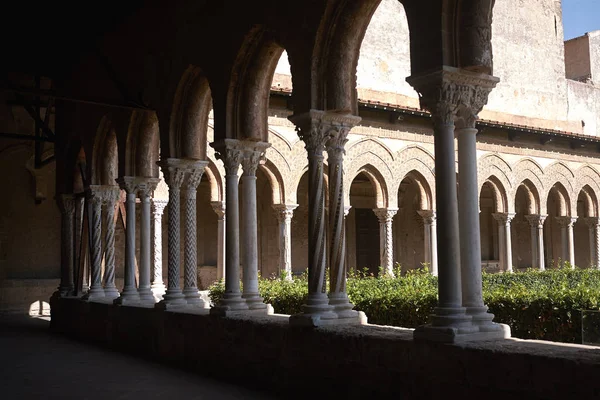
(95, 197)
(593, 224)
(190, 284)
(339, 126)
(504, 239)
(566, 230)
(129, 294)
(66, 204)
(158, 286)
(453, 94)
(317, 310)
(537, 241)
(386, 239)
(146, 187)
(430, 240)
(229, 151)
(219, 208)
(174, 173)
(284, 214)
(253, 153)
(111, 197)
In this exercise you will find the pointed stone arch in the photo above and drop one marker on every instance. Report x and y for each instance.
(105, 156)
(560, 177)
(377, 180)
(502, 205)
(276, 181)
(588, 176)
(371, 144)
(493, 166)
(533, 196)
(415, 158)
(529, 170)
(143, 145)
(426, 200)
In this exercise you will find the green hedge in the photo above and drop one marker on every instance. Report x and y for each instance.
(536, 305)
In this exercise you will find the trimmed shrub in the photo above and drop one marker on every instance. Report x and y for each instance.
(535, 304)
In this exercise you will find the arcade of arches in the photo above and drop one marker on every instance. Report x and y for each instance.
(238, 164)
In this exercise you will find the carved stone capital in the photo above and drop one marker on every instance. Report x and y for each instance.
(230, 152)
(385, 215)
(94, 194)
(284, 212)
(219, 208)
(591, 222)
(158, 206)
(428, 216)
(66, 203)
(566, 221)
(453, 95)
(173, 170)
(504, 218)
(146, 187)
(253, 155)
(536, 220)
(194, 175)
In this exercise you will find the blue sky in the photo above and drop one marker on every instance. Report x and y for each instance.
(580, 16)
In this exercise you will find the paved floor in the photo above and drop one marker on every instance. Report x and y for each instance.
(36, 364)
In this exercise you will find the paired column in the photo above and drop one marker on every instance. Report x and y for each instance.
(536, 221)
(219, 208)
(129, 294)
(566, 230)
(504, 239)
(338, 128)
(146, 187)
(158, 286)
(66, 204)
(284, 214)
(386, 239)
(190, 284)
(450, 94)
(593, 224)
(231, 154)
(110, 200)
(430, 240)
(95, 197)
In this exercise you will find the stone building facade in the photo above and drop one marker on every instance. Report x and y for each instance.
(537, 154)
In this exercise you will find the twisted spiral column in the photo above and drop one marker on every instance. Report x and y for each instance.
(228, 150)
(110, 203)
(66, 203)
(190, 285)
(386, 239)
(158, 286)
(146, 187)
(174, 173)
(95, 210)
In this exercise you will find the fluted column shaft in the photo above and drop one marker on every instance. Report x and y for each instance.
(110, 202)
(129, 293)
(190, 284)
(95, 220)
(219, 208)
(566, 230)
(174, 173)
(230, 153)
(158, 286)
(146, 188)
(284, 213)
(386, 239)
(66, 203)
(504, 221)
(430, 240)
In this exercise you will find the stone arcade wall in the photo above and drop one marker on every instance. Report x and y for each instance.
(339, 362)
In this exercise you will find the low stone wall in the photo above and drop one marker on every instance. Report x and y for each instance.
(346, 362)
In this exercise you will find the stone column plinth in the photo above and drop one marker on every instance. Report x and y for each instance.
(504, 238)
(157, 286)
(229, 151)
(593, 224)
(284, 214)
(453, 94)
(110, 202)
(129, 294)
(190, 284)
(219, 208)
(174, 171)
(566, 228)
(66, 204)
(146, 187)
(430, 240)
(94, 198)
(536, 221)
(386, 239)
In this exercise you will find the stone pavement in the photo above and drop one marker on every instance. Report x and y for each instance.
(37, 364)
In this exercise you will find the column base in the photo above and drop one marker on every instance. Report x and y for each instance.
(127, 301)
(94, 294)
(192, 297)
(111, 292)
(226, 311)
(158, 290)
(254, 301)
(146, 295)
(341, 305)
(232, 301)
(173, 298)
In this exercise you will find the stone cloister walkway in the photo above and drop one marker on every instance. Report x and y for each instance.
(37, 364)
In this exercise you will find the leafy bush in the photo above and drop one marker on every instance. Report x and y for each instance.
(535, 304)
